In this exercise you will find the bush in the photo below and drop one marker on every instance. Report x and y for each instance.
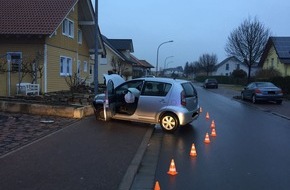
(268, 73)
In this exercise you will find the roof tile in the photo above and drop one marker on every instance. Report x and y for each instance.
(32, 16)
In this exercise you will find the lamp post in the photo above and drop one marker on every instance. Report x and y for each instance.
(168, 63)
(158, 54)
(96, 77)
(166, 60)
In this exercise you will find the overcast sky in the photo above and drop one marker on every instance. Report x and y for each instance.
(195, 26)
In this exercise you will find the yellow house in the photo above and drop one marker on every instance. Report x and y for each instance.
(277, 55)
(45, 42)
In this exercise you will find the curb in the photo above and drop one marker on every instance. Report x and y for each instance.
(133, 168)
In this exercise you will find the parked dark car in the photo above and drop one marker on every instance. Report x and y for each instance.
(210, 83)
(262, 91)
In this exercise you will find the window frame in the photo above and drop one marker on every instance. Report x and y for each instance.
(80, 36)
(65, 66)
(15, 63)
(68, 28)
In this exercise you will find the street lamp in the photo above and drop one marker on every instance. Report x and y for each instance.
(96, 77)
(166, 60)
(158, 53)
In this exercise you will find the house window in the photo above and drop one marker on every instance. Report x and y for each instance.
(85, 66)
(78, 67)
(15, 61)
(65, 66)
(80, 36)
(91, 69)
(272, 62)
(227, 66)
(68, 28)
(238, 66)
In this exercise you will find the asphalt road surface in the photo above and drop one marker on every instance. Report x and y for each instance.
(89, 154)
(250, 151)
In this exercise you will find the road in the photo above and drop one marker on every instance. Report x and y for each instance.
(88, 154)
(249, 152)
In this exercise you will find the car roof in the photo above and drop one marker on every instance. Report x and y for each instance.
(161, 79)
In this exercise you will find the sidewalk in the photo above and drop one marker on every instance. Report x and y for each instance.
(18, 130)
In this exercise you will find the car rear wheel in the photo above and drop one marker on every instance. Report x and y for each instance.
(169, 122)
(279, 102)
(254, 100)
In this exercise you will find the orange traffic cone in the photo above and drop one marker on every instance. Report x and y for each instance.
(213, 133)
(206, 139)
(200, 109)
(172, 169)
(207, 115)
(157, 186)
(193, 151)
(212, 124)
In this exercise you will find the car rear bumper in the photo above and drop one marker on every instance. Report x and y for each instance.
(268, 97)
(188, 117)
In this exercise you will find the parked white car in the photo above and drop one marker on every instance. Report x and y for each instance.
(169, 102)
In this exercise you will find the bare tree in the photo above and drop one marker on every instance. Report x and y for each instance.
(247, 42)
(207, 63)
(118, 65)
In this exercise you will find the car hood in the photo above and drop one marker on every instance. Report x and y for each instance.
(117, 79)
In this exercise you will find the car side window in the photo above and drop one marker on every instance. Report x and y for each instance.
(131, 84)
(155, 88)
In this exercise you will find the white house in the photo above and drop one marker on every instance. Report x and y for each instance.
(227, 66)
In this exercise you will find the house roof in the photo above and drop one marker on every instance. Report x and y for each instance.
(122, 44)
(146, 64)
(33, 16)
(233, 58)
(282, 48)
(115, 48)
(43, 17)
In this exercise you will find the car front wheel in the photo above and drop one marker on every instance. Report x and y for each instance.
(242, 96)
(99, 113)
(169, 122)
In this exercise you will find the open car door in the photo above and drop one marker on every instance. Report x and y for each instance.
(111, 81)
(109, 103)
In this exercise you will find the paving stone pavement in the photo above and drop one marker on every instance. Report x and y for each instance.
(17, 130)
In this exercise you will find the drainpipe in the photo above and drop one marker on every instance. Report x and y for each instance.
(8, 75)
(45, 68)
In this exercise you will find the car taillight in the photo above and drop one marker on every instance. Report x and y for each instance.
(183, 101)
(258, 91)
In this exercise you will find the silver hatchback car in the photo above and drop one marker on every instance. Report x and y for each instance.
(165, 101)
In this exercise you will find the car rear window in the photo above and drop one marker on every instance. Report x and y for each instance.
(189, 90)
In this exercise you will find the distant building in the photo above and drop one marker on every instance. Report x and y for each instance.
(227, 66)
(178, 71)
(277, 55)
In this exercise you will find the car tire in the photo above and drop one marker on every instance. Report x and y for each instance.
(99, 113)
(242, 96)
(279, 102)
(169, 122)
(254, 100)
